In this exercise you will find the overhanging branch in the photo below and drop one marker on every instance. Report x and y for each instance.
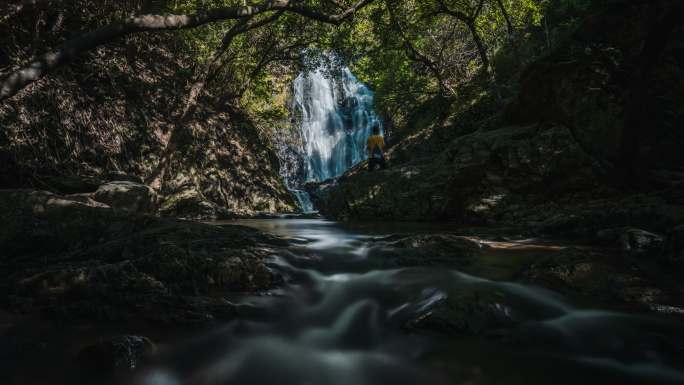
(145, 23)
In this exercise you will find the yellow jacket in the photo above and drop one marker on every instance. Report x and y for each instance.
(375, 141)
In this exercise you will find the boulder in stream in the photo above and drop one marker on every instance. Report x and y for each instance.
(127, 196)
(468, 313)
(637, 242)
(426, 250)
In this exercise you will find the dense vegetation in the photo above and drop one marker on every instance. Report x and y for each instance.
(540, 139)
(419, 56)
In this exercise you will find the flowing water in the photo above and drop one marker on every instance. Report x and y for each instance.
(335, 116)
(339, 319)
(342, 315)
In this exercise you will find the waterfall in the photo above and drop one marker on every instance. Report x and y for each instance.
(303, 200)
(335, 116)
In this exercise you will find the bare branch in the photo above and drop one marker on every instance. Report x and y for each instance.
(443, 8)
(416, 55)
(144, 23)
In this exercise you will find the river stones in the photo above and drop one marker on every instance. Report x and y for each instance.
(119, 353)
(76, 259)
(636, 242)
(594, 274)
(467, 313)
(426, 250)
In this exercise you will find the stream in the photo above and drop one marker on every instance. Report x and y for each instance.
(339, 319)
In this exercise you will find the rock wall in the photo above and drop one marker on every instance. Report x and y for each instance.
(466, 182)
(543, 163)
(111, 112)
(73, 257)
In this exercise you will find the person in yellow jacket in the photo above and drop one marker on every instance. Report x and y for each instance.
(376, 149)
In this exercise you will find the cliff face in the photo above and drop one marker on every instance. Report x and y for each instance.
(545, 161)
(109, 116)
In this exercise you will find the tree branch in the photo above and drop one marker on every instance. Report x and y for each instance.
(443, 8)
(144, 23)
(416, 55)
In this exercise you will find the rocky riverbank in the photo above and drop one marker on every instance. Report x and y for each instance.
(72, 256)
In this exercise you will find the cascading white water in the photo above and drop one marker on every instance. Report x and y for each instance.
(335, 116)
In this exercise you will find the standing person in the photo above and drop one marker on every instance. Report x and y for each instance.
(376, 149)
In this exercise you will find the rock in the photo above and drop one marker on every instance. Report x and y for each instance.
(473, 180)
(188, 203)
(636, 242)
(593, 274)
(426, 250)
(127, 196)
(79, 260)
(120, 353)
(469, 313)
(39, 223)
(674, 247)
(121, 176)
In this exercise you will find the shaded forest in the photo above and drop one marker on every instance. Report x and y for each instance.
(156, 177)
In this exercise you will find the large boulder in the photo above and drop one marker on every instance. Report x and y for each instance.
(83, 259)
(400, 193)
(471, 312)
(189, 203)
(38, 223)
(426, 250)
(127, 196)
(470, 181)
(591, 273)
(637, 242)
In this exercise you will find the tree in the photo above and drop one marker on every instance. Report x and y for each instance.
(468, 13)
(149, 23)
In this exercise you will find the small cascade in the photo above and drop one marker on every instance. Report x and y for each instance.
(303, 200)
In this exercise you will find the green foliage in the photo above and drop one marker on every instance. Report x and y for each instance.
(408, 51)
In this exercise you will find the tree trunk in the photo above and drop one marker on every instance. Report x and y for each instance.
(480, 45)
(509, 25)
(511, 32)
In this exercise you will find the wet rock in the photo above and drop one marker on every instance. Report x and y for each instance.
(127, 196)
(640, 242)
(469, 313)
(426, 249)
(120, 353)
